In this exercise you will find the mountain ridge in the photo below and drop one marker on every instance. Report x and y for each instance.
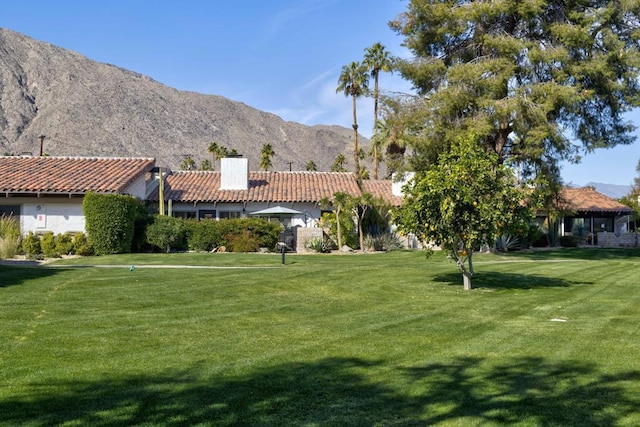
(84, 107)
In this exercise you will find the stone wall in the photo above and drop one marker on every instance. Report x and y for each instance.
(618, 240)
(303, 235)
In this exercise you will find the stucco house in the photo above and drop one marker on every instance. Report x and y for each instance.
(603, 219)
(46, 192)
(292, 198)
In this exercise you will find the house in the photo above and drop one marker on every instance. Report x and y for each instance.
(46, 192)
(604, 221)
(236, 192)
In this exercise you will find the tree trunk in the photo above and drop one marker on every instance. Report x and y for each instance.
(356, 159)
(466, 280)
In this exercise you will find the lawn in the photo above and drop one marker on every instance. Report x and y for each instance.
(547, 338)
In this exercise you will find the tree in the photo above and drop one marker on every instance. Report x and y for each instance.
(376, 59)
(311, 166)
(354, 82)
(462, 203)
(217, 151)
(338, 164)
(341, 202)
(527, 78)
(188, 163)
(205, 165)
(265, 157)
(359, 206)
(633, 199)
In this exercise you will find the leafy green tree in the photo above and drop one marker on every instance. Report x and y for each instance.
(338, 164)
(376, 59)
(633, 198)
(341, 202)
(462, 203)
(266, 155)
(527, 77)
(311, 166)
(166, 233)
(354, 82)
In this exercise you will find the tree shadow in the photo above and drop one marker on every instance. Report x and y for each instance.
(582, 253)
(339, 391)
(496, 280)
(566, 393)
(17, 274)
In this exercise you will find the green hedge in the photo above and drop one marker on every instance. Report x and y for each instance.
(110, 221)
(207, 235)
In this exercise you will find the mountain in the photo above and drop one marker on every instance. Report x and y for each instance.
(612, 190)
(87, 108)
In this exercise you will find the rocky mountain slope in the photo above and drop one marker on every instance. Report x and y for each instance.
(87, 108)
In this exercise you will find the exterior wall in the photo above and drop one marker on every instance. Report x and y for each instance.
(617, 240)
(56, 216)
(138, 188)
(304, 235)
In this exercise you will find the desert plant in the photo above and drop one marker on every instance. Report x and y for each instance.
(318, 244)
(382, 242)
(9, 236)
(507, 242)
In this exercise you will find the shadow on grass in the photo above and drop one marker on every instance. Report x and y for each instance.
(20, 273)
(341, 391)
(495, 280)
(584, 253)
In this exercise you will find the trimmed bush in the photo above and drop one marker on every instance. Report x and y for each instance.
(31, 245)
(205, 235)
(110, 221)
(245, 241)
(81, 245)
(166, 233)
(64, 244)
(48, 244)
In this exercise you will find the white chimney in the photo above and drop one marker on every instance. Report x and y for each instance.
(397, 182)
(234, 173)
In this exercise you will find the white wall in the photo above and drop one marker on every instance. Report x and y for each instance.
(58, 217)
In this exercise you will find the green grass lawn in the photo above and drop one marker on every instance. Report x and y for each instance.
(546, 339)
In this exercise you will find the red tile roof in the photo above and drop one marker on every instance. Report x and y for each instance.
(277, 187)
(587, 199)
(69, 175)
(381, 189)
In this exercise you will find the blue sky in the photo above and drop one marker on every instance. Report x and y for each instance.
(280, 56)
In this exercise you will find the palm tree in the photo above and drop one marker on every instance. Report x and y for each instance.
(338, 163)
(354, 82)
(311, 166)
(265, 157)
(376, 59)
(217, 151)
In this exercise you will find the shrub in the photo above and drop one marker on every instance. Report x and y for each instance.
(64, 244)
(9, 236)
(110, 221)
(31, 245)
(507, 242)
(166, 233)
(48, 244)
(568, 241)
(382, 242)
(318, 244)
(244, 241)
(81, 245)
(203, 235)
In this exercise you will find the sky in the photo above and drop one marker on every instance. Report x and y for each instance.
(279, 56)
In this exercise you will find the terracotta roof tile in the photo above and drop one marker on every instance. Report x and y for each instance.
(586, 199)
(382, 189)
(53, 175)
(277, 187)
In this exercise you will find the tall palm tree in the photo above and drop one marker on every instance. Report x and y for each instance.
(217, 151)
(265, 157)
(354, 82)
(376, 59)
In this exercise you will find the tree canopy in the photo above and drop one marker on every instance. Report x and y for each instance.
(539, 82)
(462, 203)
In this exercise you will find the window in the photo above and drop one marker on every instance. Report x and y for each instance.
(603, 224)
(184, 215)
(230, 215)
(10, 210)
(207, 214)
